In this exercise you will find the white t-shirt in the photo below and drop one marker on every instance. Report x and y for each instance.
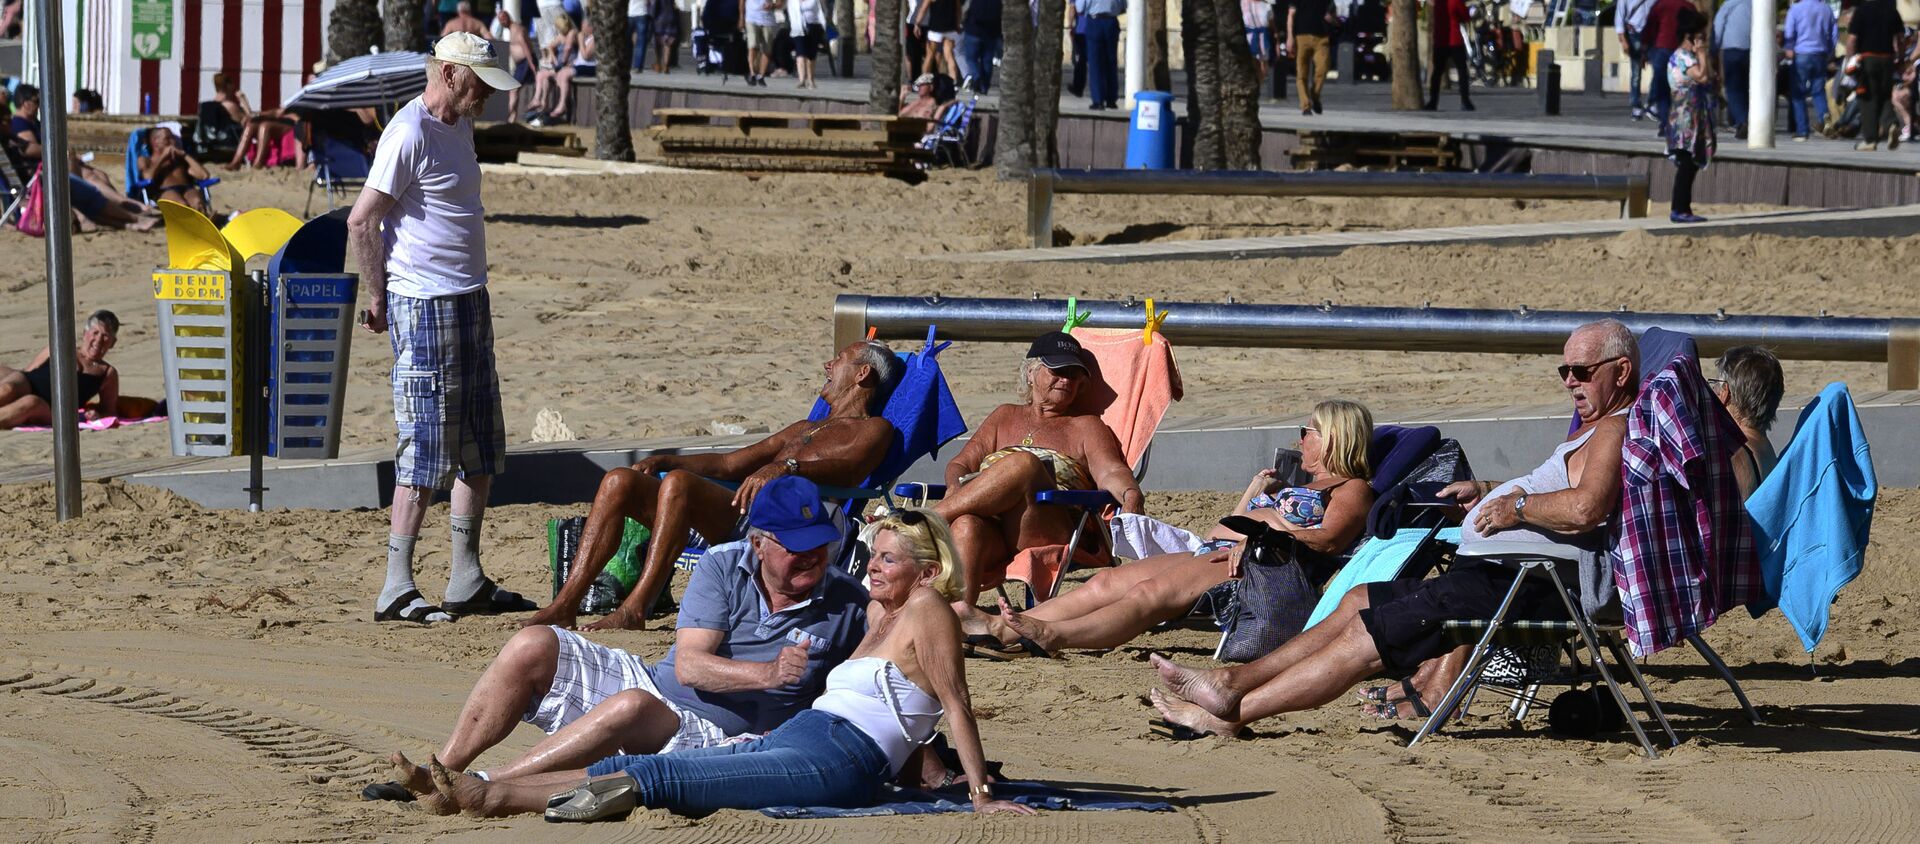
(637, 8)
(436, 233)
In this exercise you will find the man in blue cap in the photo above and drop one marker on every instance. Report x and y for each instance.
(762, 622)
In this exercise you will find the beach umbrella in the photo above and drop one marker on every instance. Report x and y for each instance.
(362, 81)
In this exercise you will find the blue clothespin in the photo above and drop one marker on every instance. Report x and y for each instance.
(929, 350)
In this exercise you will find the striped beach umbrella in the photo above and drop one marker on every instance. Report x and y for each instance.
(372, 80)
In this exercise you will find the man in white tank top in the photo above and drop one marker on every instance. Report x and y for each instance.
(1395, 626)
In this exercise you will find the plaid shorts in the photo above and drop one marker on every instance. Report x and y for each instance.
(588, 673)
(446, 395)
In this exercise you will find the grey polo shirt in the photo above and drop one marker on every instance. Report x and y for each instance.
(724, 594)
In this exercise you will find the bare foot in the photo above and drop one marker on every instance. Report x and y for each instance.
(1184, 713)
(471, 795)
(419, 781)
(619, 619)
(556, 614)
(1206, 689)
(1031, 628)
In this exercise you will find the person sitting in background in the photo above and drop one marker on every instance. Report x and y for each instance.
(556, 56)
(672, 493)
(265, 140)
(1906, 74)
(928, 97)
(173, 173)
(23, 129)
(763, 621)
(879, 706)
(463, 20)
(26, 395)
(1327, 516)
(1750, 385)
(1046, 442)
(88, 101)
(94, 200)
(1395, 626)
(232, 99)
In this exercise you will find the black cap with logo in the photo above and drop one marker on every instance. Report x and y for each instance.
(1057, 350)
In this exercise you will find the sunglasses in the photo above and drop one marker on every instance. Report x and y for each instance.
(910, 517)
(1305, 428)
(1716, 382)
(1582, 372)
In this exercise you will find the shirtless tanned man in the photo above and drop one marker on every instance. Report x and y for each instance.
(1048, 442)
(672, 493)
(1395, 626)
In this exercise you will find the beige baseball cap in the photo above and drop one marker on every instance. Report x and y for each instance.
(466, 48)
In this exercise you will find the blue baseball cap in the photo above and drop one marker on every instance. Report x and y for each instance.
(789, 508)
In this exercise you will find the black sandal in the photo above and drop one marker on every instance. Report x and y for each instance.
(405, 608)
(498, 602)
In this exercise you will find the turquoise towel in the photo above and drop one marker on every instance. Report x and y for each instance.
(1811, 515)
(1378, 560)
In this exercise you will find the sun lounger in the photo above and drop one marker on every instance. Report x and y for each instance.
(143, 189)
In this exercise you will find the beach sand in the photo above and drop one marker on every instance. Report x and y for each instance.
(175, 674)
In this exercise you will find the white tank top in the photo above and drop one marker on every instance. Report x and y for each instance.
(876, 697)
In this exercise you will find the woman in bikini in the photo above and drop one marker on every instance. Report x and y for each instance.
(879, 707)
(26, 395)
(173, 173)
(1047, 442)
(1327, 515)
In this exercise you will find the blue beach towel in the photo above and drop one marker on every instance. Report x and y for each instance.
(1378, 561)
(1812, 514)
(906, 801)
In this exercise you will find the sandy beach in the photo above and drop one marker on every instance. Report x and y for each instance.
(170, 673)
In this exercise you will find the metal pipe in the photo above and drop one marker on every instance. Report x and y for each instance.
(1761, 100)
(1423, 329)
(58, 203)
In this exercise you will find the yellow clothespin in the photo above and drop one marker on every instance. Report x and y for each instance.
(1153, 324)
(1075, 316)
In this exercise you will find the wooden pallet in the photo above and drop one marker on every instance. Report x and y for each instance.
(756, 141)
(1383, 150)
(503, 142)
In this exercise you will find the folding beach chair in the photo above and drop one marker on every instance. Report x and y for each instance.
(924, 417)
(142, 188)
(1131, 384)
(1537, 644)
(17, 179)
(947, 139)
(337, 166)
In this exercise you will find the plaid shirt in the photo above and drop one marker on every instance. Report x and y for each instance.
(1682, 547)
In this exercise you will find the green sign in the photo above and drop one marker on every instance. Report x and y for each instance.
(153, 29)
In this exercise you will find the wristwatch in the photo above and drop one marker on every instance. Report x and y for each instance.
(793, 466)
(1520, 507)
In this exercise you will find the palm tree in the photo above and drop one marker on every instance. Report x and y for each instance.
(404, 24)
(1403, 53)
(1029, 88)
(1223, 87)
(613, 54)
(354, 29)
(883, 91)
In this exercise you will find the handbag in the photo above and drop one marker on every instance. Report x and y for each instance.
(33, 211)
(1274, 596)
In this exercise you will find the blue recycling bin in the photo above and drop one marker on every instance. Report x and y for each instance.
(1150, 138)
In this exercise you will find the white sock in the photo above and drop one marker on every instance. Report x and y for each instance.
(399, 569)
(463, 583)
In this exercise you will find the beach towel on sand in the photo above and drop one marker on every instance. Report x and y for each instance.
(905, 801)
(1812, 514)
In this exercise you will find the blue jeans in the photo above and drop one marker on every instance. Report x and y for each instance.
(1659, 94)
(1809, 82)
(1735, 62)
(640, 40)
(1636, 61)
(976, 59)
(1103, 59)
(815, 759)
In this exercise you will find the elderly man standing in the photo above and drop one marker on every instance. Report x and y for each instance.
(419, 233)
(1102, 19)
(764, 620)
(1395, 626)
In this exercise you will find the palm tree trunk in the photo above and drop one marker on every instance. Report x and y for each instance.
(1239, 90)
(354, 29)
(1159, 66)
(849, 25)
(1045, 59)
(404, 25)
(613, 56)
(1201, 40)
(1403, 52)
(883, 91)
(1013, 140)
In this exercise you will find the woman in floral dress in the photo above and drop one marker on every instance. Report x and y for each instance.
(1690, 141)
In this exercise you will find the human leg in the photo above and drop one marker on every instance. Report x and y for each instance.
(1684, 169)
(637, 28)
(1146, 603)
(1220, 690)
(981, 545)
(1314, 48)
(814, 759)
(1001, 498)
(1466, 79)
(1876, 75)
(1659, 93)
(1636, 61)
(25, 410)
(518, 677)
(1735, 61)
(1436, 74)
(1077, 83)
(684, 502)
(633, 721)
(1817, 88)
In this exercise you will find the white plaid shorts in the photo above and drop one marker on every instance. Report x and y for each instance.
(446, 394)
(588, 673)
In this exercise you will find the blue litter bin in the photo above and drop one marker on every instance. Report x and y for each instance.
(1150, 139)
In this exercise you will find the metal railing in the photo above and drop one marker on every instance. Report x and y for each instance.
(1631, 191)
(1896, 341)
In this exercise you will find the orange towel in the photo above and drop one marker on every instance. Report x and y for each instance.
(1134, 384)
(1142, 381)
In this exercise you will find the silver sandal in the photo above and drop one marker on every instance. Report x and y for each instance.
(598, 800)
